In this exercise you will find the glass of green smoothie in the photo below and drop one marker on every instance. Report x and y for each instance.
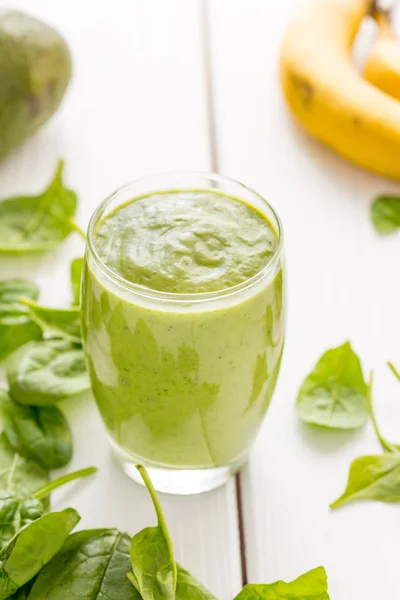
(183, 319)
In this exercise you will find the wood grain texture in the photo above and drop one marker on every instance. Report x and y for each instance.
(136, 106)
(343, 284)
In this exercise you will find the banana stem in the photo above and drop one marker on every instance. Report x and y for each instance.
(383, 19)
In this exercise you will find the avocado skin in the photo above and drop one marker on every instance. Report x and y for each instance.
(35, 69)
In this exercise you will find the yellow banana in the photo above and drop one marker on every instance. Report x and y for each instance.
(382, 68)
(327, 95)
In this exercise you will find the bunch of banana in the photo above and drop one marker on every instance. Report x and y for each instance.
(357, 116)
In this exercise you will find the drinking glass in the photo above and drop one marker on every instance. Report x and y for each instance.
(183, 381)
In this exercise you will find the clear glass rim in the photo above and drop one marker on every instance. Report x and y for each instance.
(172, 296)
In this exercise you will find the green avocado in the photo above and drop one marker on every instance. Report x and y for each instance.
(35, 69)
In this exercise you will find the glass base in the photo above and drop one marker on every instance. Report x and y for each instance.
(176, 481)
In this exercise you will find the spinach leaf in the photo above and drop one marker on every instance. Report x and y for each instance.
(334, 394)
(38, 223)
(39, 433)
(16, 326)
(92, 564)
(15, 512)
(23, 593)
(153, 564)
(16, 329)
(188, 588)
(32, 548)
(17, 473)
(155, 574)
(310, 586)
(76, 278)
(18, 509)
(385, 214)
(56, 322)
(373, 478)
(11, 290)
(45, 372)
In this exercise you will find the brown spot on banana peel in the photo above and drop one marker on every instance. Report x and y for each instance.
(305, 88)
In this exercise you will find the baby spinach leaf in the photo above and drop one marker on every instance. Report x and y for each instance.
(16, 329)
(92, 564)
(15, 512)
(373, 478)
(76, 278)
(17, 474)
(56, 322)
(188, 588)
(153, 564)
(39, 433)
(32, 548)
(310, 586)
(38, 223)
(385, 214)
(18, 509)
(11, 290)
(23, 593)
(16, 326)
(45, 372)
(334, 394)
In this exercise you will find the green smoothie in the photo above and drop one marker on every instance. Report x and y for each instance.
(183, 381)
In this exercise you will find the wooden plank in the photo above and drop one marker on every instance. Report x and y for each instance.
(136, 106)
(343, 284)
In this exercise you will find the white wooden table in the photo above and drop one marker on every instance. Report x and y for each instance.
(191, 84)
